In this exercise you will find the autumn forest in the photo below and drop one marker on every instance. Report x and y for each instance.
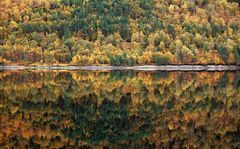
(113, 32)
(137, 74)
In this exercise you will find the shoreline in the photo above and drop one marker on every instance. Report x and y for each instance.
(136, 68)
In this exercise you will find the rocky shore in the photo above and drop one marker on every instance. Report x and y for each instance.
(140, 68)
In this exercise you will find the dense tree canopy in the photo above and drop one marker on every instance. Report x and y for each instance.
(127, 32)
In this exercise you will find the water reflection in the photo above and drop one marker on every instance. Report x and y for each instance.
(119, 109)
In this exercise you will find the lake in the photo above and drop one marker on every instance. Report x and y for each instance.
(119, 109)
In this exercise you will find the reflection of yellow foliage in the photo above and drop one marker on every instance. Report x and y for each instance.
(197, 97)
(14, 109)
(126, 89)
(27, 133)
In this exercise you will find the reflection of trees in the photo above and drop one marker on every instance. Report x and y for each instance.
(110, 121)
(101, 108)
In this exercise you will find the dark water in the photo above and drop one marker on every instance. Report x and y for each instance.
(119, 109)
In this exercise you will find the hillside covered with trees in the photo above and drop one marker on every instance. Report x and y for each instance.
(119, 32)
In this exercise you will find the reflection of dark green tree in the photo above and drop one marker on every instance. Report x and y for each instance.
(237, 80)
(121, 75)
(110, 121)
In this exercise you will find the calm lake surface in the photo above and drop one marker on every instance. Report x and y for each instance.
(119, 109)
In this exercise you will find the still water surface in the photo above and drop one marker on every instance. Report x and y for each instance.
(119, 109)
